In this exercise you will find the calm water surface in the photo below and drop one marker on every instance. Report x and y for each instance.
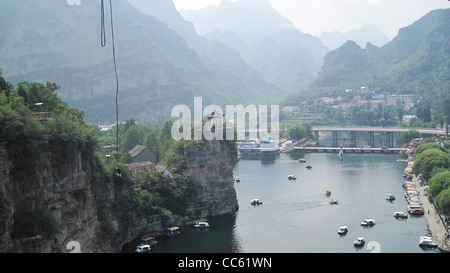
(296, 216)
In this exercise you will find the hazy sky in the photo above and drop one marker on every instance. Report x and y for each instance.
(315, 16)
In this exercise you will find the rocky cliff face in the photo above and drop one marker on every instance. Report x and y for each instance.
(48, 205)
(213, 165)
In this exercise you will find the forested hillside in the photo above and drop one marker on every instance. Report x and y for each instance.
(417, 61)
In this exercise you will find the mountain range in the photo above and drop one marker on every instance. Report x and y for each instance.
(266, 41)
(368, 33)
(416, 61)
(52, 41)
(162, 61)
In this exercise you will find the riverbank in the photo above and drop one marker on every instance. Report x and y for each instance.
(434, 222)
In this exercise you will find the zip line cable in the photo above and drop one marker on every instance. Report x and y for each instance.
(103, 43)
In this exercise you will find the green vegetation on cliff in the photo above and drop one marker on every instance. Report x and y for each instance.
(433, 161)
(33, 120)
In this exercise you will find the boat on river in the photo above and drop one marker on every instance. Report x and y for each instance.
(328, 192)
(368, 223)
(343, 230)
(334, 202)
(201, 224)
(173, 231)
(401, 214)
(148, 241)
(426, 241)
(256, 202)
(143, 248)
(390, 197)
(309, 167)
(416, 209)
(292, 177)
(359, 242)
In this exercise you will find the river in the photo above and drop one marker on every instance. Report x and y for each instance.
(296, 216)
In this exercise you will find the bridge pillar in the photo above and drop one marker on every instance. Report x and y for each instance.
(334, 140)
(371, 139)
(352, 139)
(389, 139)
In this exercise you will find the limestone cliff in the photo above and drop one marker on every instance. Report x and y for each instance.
(47, 205)
(56, 200)
(213, 165)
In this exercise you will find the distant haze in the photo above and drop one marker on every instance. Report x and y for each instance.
(317, 16)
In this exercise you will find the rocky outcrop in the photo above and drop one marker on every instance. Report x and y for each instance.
(212, 165)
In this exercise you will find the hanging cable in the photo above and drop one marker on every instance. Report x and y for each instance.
(103, 43)
(102, 25)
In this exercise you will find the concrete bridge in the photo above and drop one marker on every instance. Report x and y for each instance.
(355, 137)
(423, 131)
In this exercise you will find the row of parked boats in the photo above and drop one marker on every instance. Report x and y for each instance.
(147, 242)
(414, 205)
(411, 194)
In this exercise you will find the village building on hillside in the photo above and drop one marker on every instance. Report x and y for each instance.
(138, 170)
(404, 99)
(142, 154)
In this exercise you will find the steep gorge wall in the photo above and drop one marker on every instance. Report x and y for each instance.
(47, 205)
(54, 202)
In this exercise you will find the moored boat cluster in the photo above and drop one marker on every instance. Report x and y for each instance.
(411, 193)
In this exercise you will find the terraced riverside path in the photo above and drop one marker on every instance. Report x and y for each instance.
(435, 225)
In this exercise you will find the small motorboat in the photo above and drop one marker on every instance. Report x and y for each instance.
(426, 241)
(309, 167)
(368, 223)
(148, 241)
(173, 231)
(343, 230)
(390, 197)
(401, 214)
(256, 202)
(237, 179)
(328, 192)
(292, 177)
(334, 202)
(359, 242)
(302, 160)
(201, 224)
(142, 248)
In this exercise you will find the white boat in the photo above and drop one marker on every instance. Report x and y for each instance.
(334, 202)
(202, 224)
(142, 248)
(359, 242)
(368, 222)
(238, 179)
(390, 197)
(426, 241)
(292, 177)
(256, 202)
(343, 230)
(400, 214)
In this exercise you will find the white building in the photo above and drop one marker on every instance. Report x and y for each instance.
(404, 99)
